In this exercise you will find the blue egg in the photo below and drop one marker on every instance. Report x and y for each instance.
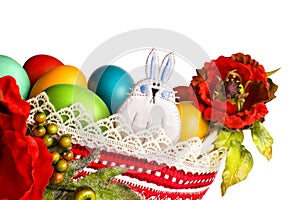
(112, 84)
(10, 67)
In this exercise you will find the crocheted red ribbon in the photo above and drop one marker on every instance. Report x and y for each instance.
(150, 194)
(150, 172)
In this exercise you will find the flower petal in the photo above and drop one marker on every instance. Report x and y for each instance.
(26, 163)
(257, 93)
(43, 165)
(16, 166)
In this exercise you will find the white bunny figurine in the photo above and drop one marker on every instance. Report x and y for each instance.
(151, 102)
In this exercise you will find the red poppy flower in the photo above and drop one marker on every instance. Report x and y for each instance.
(25, 161)
(232, 91)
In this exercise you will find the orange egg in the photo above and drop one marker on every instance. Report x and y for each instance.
(64, 74)
(192, 122)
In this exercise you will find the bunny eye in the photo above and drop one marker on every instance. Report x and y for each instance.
(144, 89)
(165, 94)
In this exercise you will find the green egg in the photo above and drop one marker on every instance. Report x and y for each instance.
(63, 95)
(10, 67)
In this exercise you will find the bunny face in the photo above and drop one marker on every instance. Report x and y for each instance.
(155, 85)
(154, 89)
(152, 100)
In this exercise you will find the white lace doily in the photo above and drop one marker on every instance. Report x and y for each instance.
(114, 135)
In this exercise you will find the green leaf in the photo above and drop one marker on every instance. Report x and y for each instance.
(262, 139)
(272, 72)
(100, 182)
(63, 195)
(73, 169)
(48, 194)
(226, 136)
(101, 178)
(65, 184)
(238, 164)
(80, 164)
(117, 192)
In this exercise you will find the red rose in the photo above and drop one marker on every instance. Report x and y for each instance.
(26, 164)
(232, 91)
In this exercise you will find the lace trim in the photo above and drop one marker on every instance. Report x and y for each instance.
(114, 135)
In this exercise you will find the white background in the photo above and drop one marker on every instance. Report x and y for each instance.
(267, 30)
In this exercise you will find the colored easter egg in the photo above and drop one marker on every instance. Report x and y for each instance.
(112, 84)
(64, 74)
(63, 95)
(192, 122)
(38, 65)
(9, 66)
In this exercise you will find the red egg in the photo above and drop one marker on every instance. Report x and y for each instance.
(37, 65)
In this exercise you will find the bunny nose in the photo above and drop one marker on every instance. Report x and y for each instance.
(154, 91)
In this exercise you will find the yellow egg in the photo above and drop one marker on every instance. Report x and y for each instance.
(192, 122)
(64, 74)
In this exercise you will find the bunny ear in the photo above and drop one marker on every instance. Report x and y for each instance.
(167, 67)
(152, 65)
